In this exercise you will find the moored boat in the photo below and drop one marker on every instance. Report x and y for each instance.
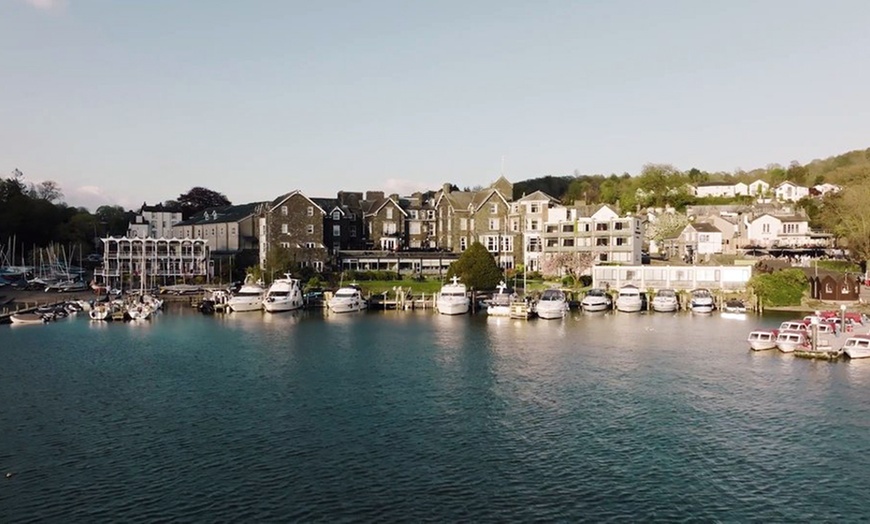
(630, 299)
(762, 339)
(347, 299)
(666, 301)
(702, 301)
(596, 299)
(552, 305)
(857, 346)
(453, 298)
(500, 303)
(27, 318)
(285, 294)
(789, 340)
(99, 311)
(249, 297)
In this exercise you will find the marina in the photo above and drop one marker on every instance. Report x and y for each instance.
(307, 415)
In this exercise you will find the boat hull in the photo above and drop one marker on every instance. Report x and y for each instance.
(245, 306)
(346, 307)
(552, 312)
(857, 352)
(453, 307)
(664, 307)
(594, 307)
(277, 306)
(27, 318)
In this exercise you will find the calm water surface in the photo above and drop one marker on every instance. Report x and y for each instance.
(414, 416)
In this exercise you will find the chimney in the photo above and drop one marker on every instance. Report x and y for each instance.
(446, 187)
(374, 195)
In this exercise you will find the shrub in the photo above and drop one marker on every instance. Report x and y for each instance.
(780, 288)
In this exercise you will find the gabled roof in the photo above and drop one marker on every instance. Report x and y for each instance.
(286, 196)
(703, 227)
(375, 207)
(221, 214)
(538, 196)
(714, 184)
(480, 198)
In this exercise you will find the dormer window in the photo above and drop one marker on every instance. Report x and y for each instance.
(336, 215)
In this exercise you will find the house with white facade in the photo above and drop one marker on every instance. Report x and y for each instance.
(605, 234)
(527, 217)
(790, 192)
(783, 231)
(154, 221)
(824, 189)
(697, 241)
(759, 188)
(714, 189)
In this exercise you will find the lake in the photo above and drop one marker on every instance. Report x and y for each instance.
(412, 416)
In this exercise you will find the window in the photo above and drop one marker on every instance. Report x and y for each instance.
(285, 228)
(389, 213)
(311, 211)
(507, 244)
(463, 243)
(318, 265)
(533, 225)
(491, 243)
(534, 245)
(310, 245)
(463, 224)
(336, 230)
(552, 242)
(602, 241)
(515, 225)
(336, 215)
(534, 208)
(412, 214)
(703, 237)
(284, 211)
(618, 226)
(620, 241)
(414, 228)
(602, 257)
(493, 209)
(309, 229)
(567, 228)
(494, 224)
(601, 227)
(567, 242)
(765, 228)
(352, 232)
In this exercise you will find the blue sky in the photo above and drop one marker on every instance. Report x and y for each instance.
(122, 102)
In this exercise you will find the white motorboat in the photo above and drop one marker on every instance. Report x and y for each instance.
(347, 300)
(734, 305)
(788, 340)
(249, 297)
(630, 299)
(285, 294)
(702, 301)
(596, 300)
(793, 325)
(500, 303)
(552, 304)
(666, 301)
(762, 339)
(857, 346)
(453, 299)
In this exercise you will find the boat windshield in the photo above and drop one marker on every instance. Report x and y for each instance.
(666, 293)
(248, 294)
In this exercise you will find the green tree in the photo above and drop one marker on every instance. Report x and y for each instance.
(476, 268)
(199, 198)
(845, 214)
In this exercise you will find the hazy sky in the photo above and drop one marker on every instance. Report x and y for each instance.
(126, 101)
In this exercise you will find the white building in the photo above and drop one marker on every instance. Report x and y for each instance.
(154, 221)
(733, 278)
(714, 189)
(759, 188)
(785, 231)
(791, 192)
(608, 236)
(527, 217)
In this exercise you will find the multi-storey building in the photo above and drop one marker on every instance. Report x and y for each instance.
(154, 221)
(343, 226)
(226, 228)
(611, 238)
(421, 222)
(294, 222)
(385, 221)
(145, 262)
(527, 218)
(465, 217)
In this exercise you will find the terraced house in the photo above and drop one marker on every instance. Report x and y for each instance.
(465, 217)
(295, 223)
(385, 220)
